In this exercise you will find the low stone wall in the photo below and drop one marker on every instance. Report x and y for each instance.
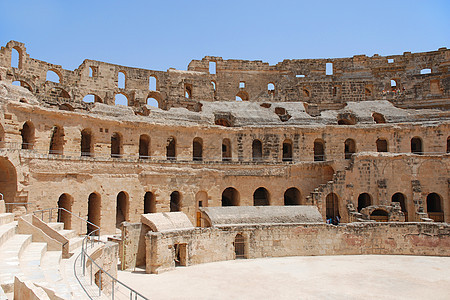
(202, 245)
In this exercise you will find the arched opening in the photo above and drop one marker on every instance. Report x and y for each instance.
(121, 99)
(188, 90)
(416, 145)
(16, 57)
(153, 102)
(332, 206)
(175, 201)
(122, 208)
(92, 98)
(261, 197)
(149, 203)
(292, 196)
(382, 145)
(239, 246)
(287, 150)
(230, 197)
(65, 203)
(349, 148)
(346, 122)
(27, 133)
(57, 141)
(66, 106)
(116, 145)
(152, 83)
(379, 215)
(243, 96)
(434, 207)
(364, 200)
(378, 118)
(319, 150)
(87, 148)
(226, 150)
(8, 181)
(57, 92)
(394, 84)
(306, 93)
(171, 153)
(121, 80)
(22, 84)
(213, 83)
(53, 76)
(448, 144)
(144, 146)
(94, 211)
(425, 71)
(271, 89)
(257, 150)
(399, 197)
(197, 149)
(201, 198)
(212, 67)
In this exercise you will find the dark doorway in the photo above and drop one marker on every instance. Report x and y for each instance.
(122, 206)
(364, 200)
(292, 196)
(261, 197)
(94, 209)
(149, 203)
(64, 216)
(239, 246)
(257, 152)
(230, 197)
(175, 201)
(399, 197)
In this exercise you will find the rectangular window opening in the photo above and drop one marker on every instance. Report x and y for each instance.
(212, 67)
(329, 69)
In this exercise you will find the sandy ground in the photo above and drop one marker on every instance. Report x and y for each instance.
(312, 277)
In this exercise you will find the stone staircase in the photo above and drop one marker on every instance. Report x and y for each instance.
(32, 262)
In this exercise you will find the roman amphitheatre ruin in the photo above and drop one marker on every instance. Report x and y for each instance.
(227, 159)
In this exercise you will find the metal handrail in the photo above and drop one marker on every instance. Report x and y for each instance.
(50, 210)
(19, 203)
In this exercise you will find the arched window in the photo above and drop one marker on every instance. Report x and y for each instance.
(257, 150)
(394, 84)
(213, 83)
(116, 145)
(434, 207)
(230, 197)
(144, 146)
(175, 201)
(261, 197)
(121, 99)
(378, 118)
(27, 133)
(292, 196)
(57, 141)
(16, 57)
(416, 145)
(122, 208)
(171, 151)
(152, 83)
(197, 149)
(152, 102)
(399, 197)
(382, 145)
(226, 150)
(242, 95)
(121, 80)
(349, 148)
(364, 200)
(287, 150)
(271, 89)
(239, 246)
(87, 148)
(94, 212)
(319, 150)
(187, 90)
(149, 203)
(22, 84)
(332, 206)
(65, 207)
(53, 76)
(92, 98)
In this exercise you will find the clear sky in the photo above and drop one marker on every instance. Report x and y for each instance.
(162, 34)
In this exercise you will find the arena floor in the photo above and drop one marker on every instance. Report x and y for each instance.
(312, 277)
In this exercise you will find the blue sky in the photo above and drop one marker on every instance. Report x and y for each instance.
(162, 34)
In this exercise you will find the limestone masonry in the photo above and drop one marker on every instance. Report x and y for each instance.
(360, 139)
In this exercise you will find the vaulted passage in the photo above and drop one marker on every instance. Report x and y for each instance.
(171, 151)
(94, 211)
(434, 207)
(257, 151)
(197, 149)
(65, 203)
(319, 150)
(261, 197)
(175, 201)
(122, 208)
(149, 203)
(332, 206)
(292, 196)
(349, 148)
(399, 197)
(379, 215)
(144, 146)
(116, 145)
(27, 133)
(8, 181)
(226, 150)
(87, 148)
(382, 145)
(57, 141)
(416, 145)
(364, 200)
(230, 197)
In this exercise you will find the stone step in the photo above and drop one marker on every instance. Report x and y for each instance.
(67, 272)
(30, 262)
(75, 243)
(56, 225)
(6, 218)
(51, 267)
(10, 253)
(68, 234)
(7, 231)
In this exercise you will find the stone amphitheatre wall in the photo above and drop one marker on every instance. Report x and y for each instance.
(396, 78)
(203, 245)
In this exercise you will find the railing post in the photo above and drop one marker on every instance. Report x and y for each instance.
(112, 290)
(91, 272)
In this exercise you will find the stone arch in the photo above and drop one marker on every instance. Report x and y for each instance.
(121, 99)
(226, 149)
(382, 145)
(287, 150)
(57, 141)
(257, 150)
(230, 197)
(332, 206)
(8, 180)
(175, 201)
(243, 95)
(122, 208)
(65, 202)
(416, 145)
(116, 145)
(27, 133)
(364, 200)
(23, 84)
(171, 148)
(144, 146)
(92, 98)
(349, 148)
(17, 62)
(153, 84)
(86, 145)
(54, 75)
(319, 150)
(261, 197)
(197, 149)
(292, 196)
(239, 246)
(94, 212)
(149, 203)
(435, 207)
(401, 198)
(154, 99)
(121, 79)
(379, 215)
